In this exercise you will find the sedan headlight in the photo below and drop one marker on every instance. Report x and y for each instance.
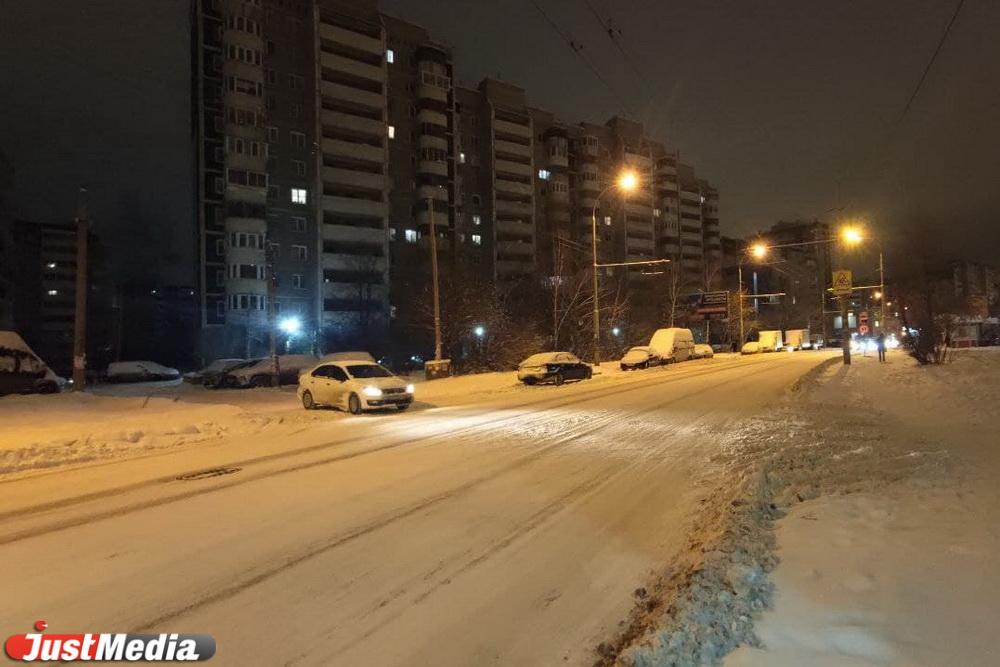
(371, 391)
(410, 389)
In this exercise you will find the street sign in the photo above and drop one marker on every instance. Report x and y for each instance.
(863, 329)
(713, 302)
(842, 283)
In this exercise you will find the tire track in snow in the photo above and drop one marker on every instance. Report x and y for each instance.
(243, 478)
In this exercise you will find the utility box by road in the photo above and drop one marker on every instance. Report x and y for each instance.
(437, 369)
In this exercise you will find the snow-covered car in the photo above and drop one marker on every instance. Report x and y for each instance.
(215, 368)
(355, 386)
(554, 367)
(22, 371)
(753, 347)
(139, 371)
(639, 357)
(672, 344)
(259, 372)
(702, 351)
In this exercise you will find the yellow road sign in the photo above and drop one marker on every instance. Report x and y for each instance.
(842, 282)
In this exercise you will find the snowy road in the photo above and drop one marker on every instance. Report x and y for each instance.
(507, 532)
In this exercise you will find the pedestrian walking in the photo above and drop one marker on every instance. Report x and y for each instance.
(880, 344)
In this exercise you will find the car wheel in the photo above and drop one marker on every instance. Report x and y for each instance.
(402, 406)
(307, 400)
(559, 379)
(354, 404)
(590, 373)
(529, 381)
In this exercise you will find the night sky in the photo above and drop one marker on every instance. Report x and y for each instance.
(779, 103)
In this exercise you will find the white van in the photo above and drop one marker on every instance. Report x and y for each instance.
(673, 344)
(770, 341)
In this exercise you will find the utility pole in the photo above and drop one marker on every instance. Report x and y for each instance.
(845, 332)
(80, 316)
(597, 309)
(881, 288)
(434, 280)
(272, 324)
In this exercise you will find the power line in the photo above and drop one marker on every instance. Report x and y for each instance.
(930, 63)
(613, 34)
(577, 48)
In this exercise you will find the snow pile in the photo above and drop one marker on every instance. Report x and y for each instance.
(825, 439)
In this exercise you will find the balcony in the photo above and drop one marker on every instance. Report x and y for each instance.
(431, 141)
(359, 124)
(511, 148)
(515, 208)
(515, 227)
(339, 91)
(510, 268)
(348, 291)
(526, 249)
(638, 160)
(425, 192)
(354, 67)
(514, 129)
(346, 262)
(350, 206)
(429, 92)
(350, 234)
(245, 256)
(250, 225)
(350, 149)
(670, 250)
(432, 117)
(515, 168)
(358, 179)
(246, 286)
(351, 38)
(639, 209)
(514, 187)
(433, 167)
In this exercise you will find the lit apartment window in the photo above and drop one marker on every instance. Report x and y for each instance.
(657, 212)
(53, 292)
(461, 158)
(50, 265)
(392, 233)
(477, 239)
(544, 174)
(607, 220)
(477, 219)
(411, 235)
(392, 131)
(298, 195)
(390, 56)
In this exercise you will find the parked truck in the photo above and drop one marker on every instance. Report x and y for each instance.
(797, 339)
(770, 341)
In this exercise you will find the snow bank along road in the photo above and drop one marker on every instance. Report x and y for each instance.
(513, 531)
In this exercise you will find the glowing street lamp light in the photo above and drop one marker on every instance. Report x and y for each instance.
(615, 331)
(627, 181)
(290, 325)
(877, 295)
(851, 235)
(758, 250)
(479, 330)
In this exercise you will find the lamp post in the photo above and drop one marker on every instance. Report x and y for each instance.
(627, 181)
(758, 251)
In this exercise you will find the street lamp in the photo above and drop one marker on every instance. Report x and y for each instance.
(480, 330)
(758, 251)
(615, 331)
(626, 182)
(290, 325)
(851, 235)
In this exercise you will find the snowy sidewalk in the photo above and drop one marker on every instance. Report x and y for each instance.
(895, 563)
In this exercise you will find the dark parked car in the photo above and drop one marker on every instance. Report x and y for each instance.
(640, 357)
(555, 367)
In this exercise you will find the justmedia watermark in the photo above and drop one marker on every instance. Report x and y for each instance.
(108, 647)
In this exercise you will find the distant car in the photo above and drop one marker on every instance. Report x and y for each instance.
(753, 347)
(22, 371)
(639, 357)
(215, 368)
(355, 386)
(258, 373)
(702, 351)
(139, 371)
(554, 367)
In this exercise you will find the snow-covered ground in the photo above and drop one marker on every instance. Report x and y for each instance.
(114, 421)
(504, 525)
(861, 514)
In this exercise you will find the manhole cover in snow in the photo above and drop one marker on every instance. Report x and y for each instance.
(203, 474)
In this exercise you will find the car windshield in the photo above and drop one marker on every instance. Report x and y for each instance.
(363, 371)
(246, 364)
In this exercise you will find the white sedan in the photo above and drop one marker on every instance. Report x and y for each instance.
(355, 386)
